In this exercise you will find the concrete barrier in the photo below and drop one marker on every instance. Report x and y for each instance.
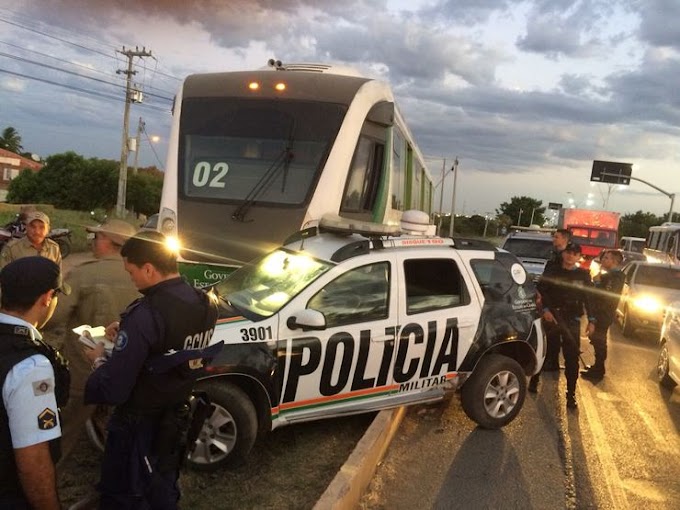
(346, 489)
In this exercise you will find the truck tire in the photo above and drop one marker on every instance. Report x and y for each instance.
(494, 394)
(229, 433)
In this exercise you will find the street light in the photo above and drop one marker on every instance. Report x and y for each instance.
(519, 217)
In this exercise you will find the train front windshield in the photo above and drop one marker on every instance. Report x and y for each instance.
(263, 151)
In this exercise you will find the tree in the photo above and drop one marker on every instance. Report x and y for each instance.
(637, 224)
(10, 140)
(144, 191)
(24, 188)
(521, 210)
(68, 181)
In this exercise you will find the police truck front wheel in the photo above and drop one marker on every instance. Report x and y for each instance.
(494, 393)
(229, 433)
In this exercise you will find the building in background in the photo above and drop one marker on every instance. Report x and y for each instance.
(11, 165)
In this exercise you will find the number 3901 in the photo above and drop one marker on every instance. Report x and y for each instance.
(254, 334)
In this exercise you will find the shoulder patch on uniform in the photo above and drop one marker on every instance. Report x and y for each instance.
(43, 387)
(47, 419)
(121, 341)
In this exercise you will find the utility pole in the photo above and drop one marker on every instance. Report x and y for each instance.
(441, 195)
(454, 169)
(140, 128)
(122, 175)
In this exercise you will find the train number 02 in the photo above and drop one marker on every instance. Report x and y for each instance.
(254, 334)
(203, 171)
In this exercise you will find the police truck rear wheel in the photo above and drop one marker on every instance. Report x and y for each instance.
(229, 433)
(494, 393)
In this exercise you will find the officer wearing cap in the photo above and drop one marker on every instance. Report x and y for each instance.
(565, 292)
(34, 383)
(560, 239)
(34, 243)
(101, 290)
(161, 346)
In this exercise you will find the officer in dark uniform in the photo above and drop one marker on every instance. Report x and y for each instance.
(560, 239)
(34, 381)
(565, 292)
(608, 285)
(161, 346)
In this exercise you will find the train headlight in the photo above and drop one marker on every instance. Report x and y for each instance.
(173, 244)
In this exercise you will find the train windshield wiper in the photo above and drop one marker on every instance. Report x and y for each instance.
(282, 161)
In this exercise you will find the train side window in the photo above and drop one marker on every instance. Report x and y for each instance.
(672, 244)
(361, 190)
(433, 284)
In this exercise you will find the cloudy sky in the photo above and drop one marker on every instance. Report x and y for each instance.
(526, 94)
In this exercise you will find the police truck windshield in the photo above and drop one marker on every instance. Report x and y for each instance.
(270, 151)
(263, 287)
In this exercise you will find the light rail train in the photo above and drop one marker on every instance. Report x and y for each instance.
(257, 155)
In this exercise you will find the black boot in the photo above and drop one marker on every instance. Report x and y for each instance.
(571, 401)
(595, 373)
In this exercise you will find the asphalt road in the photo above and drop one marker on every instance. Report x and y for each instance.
(619, 450)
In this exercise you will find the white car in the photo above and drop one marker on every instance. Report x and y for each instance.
(668, 367)
(351, 318)
(648, 289)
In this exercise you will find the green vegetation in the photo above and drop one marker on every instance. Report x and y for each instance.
(69, 181)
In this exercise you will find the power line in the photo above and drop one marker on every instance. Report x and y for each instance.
(160, 165)
(79, 89)
(75, 64)
(66, 41)
(73, 73)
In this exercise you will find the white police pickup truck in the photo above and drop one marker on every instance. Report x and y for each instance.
(347, 319)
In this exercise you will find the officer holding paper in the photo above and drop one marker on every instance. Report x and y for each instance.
(101, 289)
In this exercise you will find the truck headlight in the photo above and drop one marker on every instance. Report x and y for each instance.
(648, 304)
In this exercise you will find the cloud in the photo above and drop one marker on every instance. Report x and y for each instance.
(659, 25)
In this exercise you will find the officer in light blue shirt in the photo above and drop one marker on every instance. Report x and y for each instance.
(34, 384)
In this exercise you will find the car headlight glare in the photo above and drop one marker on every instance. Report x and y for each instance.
(648, 304)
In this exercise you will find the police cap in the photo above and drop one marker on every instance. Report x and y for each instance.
(29, 278)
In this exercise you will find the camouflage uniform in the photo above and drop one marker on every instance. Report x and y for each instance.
(100, 290)
(20, 248)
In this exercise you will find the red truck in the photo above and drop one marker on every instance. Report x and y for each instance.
(593, 230)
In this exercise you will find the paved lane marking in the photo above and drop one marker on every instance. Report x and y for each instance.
(604, 454)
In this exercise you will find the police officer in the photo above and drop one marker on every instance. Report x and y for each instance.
(34, 384)
(160, 348)
(552, 353)
(100, 290)
(565, 292)
(34, 243)
(608, 285)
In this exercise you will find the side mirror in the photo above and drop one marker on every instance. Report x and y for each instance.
(307, 320)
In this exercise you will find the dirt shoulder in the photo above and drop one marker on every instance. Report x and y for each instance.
(289, 468)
